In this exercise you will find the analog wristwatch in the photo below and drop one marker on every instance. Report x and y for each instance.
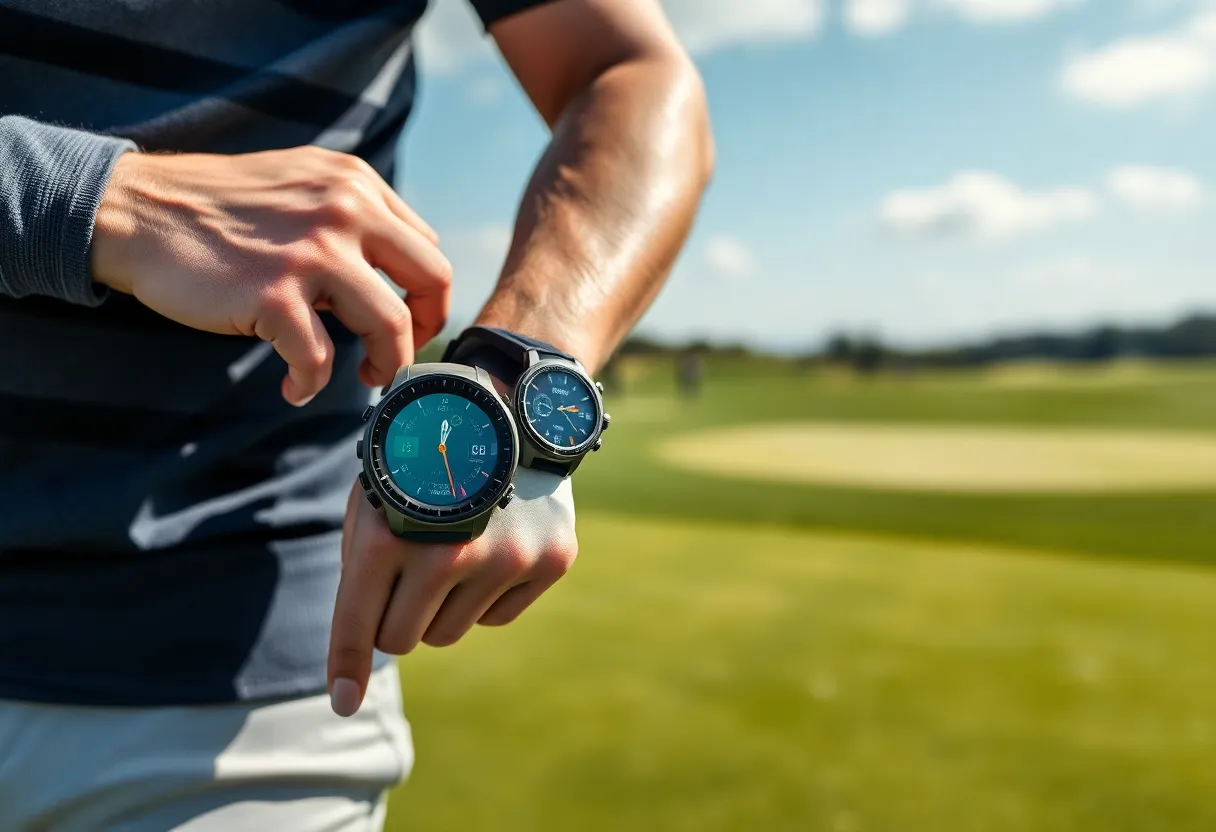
(439, 451)
(557, 406)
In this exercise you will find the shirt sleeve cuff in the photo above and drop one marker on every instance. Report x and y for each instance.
(492, 11)
(51, 184)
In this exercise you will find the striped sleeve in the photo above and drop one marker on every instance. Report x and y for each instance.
(51, 182)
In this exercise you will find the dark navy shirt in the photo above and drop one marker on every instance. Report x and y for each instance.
(169, 526)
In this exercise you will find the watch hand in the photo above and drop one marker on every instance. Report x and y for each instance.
(443, 451)
(444, 431)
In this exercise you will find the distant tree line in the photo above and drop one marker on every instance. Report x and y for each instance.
(1193, 336)
(645, 345)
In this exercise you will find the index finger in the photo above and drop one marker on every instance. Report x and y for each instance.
(367, 581)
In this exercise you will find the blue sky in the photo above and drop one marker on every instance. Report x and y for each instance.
(926, 170)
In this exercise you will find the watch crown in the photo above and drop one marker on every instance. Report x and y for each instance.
(607, 422)
(507, 496)
(599, 387)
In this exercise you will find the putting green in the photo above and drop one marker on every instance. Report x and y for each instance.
(967, 458)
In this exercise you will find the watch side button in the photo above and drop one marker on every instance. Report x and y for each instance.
(507, 497)
(367, 486)
(599, 387)
(599, 443)
(374, 499)
(359, 449)
(367, 414)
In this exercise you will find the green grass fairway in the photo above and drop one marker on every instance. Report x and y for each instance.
(745, 654)
(698, 676)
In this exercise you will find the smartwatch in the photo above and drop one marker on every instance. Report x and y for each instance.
(439, 451)
(558, 407)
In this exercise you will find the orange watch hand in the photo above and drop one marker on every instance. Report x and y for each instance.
(451, 484)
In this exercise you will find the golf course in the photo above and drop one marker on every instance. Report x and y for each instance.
(811, 600)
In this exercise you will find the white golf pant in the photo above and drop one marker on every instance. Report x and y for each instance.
(287, 764)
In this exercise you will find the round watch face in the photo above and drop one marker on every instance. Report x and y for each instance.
(561, 408)
(443, 447)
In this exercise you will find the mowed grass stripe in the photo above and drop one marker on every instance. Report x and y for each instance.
(952, 458)
(713, 676)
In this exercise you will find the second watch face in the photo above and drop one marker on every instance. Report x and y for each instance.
(561, 408)
(441, 449)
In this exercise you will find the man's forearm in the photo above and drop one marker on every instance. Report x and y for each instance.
(608, 208)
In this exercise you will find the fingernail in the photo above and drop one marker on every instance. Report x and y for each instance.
(344, 697)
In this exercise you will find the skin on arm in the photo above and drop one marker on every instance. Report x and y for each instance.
(604, 216)
(613, 198)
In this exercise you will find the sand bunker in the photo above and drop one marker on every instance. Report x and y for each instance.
(953, 458)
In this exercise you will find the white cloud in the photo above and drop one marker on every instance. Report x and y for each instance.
(874, 18)
(1155, 189)
(1136, 70)
(983, 205)
(729, 258)
(1139, 69)
(708, 25)
(1003, 11)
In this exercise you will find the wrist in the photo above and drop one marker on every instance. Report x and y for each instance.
(115, 227)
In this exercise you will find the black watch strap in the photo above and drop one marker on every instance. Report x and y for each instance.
(502, 353)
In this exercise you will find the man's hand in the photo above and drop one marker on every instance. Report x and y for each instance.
(255, 244)
(395, 594)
